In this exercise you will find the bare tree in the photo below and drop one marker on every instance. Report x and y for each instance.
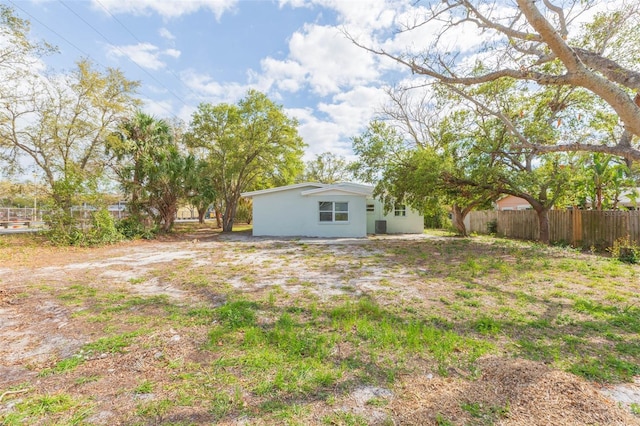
(60, 124)
(326, 168)
(542, 43)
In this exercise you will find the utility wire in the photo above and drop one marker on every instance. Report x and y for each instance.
(82, 51)
(50, 29)
(123, 53)
(139, 41)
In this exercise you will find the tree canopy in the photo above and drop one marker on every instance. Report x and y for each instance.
(543, 44)
(326, 168)
(60, 124)
(249, 145)
(152, 168)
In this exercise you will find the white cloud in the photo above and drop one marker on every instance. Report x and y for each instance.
(320, 136)
(323, 58)
(166, 8)
(146, 55)
(156, 108)
(345, 117)
(353, 110)
(286, 75)
(369, 15)
(185, 113)
(213, 91)
(174, 53)
(165, 33)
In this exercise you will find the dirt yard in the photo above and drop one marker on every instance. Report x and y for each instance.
(123, 335)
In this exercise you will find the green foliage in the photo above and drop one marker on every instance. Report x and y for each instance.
(134, 227)
(610, 369)
(202, 192)
(67, 230)
(145, 386)
(103, 229)
(344, 418)
(442, 421)
(601, 182)
(471, 156)
(625, 250)
(64, 128)
(237, 314)
(326, 168)
(152, 170)
(401, 175)
(244, 213)
(112, 344)
(63, 366)
(44, 408)
(437, 218)
(251, 145)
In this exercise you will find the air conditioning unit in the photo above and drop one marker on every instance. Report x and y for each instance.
(381, 226)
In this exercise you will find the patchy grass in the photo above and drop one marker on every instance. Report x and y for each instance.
(286, 332)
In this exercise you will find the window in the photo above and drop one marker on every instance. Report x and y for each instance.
(400, 210)
(334, 211)
(371, 207)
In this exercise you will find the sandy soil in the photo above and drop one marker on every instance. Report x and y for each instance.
(36, 330)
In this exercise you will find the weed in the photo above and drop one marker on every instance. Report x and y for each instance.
(625, 250)
(112, 344)
(237, 314)
(344, 418)
(57, 408)
(610, 369)
(487, 325)
(145, 387)
(473, 408)
(377, 402)
(86, 379)
(62, 366)
(153, 411)
(221, 404)
(442, 421)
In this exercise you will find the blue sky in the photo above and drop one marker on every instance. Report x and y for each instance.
(193, 51)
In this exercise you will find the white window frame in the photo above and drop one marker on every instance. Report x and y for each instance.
(371, 208)
(334, 211)
(400, 210)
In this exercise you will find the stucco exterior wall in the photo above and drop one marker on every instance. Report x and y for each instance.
(288, 213)
(412, 223)
(513, 203)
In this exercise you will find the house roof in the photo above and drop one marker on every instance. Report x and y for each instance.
(344, 187)
(317, 188)
(282, 188)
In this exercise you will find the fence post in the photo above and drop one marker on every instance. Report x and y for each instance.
(576, 225)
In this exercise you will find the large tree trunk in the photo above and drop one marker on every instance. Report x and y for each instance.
(201, 213)
(543, 223)
(599, 197)
(229, 215)
(458, 220)
(218, 217)
(168, 213)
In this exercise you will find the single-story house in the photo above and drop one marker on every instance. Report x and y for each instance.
(511, 202)
(327, 210)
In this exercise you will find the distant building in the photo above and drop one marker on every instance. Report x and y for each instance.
(509, 202)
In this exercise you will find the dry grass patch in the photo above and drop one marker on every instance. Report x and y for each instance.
(201, 328)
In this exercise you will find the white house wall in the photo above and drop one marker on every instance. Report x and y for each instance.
(412, 223)
(288, 213)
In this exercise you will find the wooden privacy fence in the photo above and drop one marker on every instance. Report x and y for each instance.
(581, 228)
